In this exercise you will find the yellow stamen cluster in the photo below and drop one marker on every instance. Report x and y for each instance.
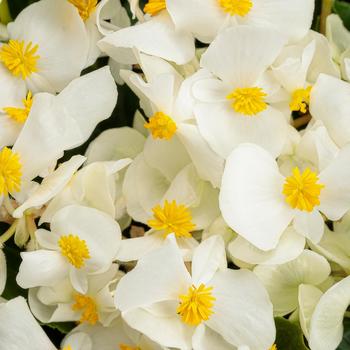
(20, 115)
(128, 347)
(153, 7)
(248, 101)
(161, 126)
(88, 307)
(85, 7)
(10, 172)
(196, 306)
(74, 249)
(20, 59)
(300, 100)
(273, 347)
(302, 190)
(236, 7)
(173, 218)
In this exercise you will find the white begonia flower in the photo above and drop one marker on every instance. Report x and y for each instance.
(19, 329)
(82, 241)
(61, 303)
(326, 329)
(36, 34)
(162, 300)
(260, 205)
(205, 18)
(167, 101)
(118, 336)
(283, 281)
(233, 105)
(339, 39)
(83, 189)
(55, 124)
(329, 98)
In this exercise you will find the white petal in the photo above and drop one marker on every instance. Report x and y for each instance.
(3, 271)
(41, 268)
(47, 239)
(329, 97)
(158, 276)
(282, 281)
(9, 130)
(252, 202)
(19, 329)
(290, 246)
(242, 310)
(326, 330)
(335, 196)
(224, 129)
(311, 225)
(51, 185)
(239, 55)
(78, 341)
(60, 33)
(308, 298)
(156, 37)
(205, 338)
(79, 280)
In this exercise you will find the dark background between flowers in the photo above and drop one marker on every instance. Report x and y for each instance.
(289, 335)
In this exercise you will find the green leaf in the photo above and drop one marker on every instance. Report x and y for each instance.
(62, 327)
(345, 344)
(342, 8)
(289, 335)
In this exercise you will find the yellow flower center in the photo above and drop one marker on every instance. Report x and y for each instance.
(128, 347)
(67, 347)
(173, 218)
(248, 101)
(88, 307)
(273, 347)
(300, 100)
(161, 126)
(153, 7)
(85, 7)
(10, 172)
(302, 190)
(74, 249)
(236, 7)
(196, 306)
(20, 115)
(20, 59)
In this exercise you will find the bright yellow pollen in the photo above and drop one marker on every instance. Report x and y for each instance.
(128, 347)
(74, 249)
(20, 115)
(273, 347)
(88, 307)
(10, 172)
(248, 101)
(20, 59)
(161, 126)
(300, 100)
(85, 7)
(197, 305)
(236, 7)
(173, 218)
(302, 190)
(153, 7)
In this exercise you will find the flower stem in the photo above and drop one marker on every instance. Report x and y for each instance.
(9, 233)
(325, 12)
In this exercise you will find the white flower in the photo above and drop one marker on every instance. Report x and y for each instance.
(259, 205)
(82, 241)
(19, 329)
(205, 18)
(55, 124)
(156, 299)
(234, 104)
(326, 329)
(61, 303)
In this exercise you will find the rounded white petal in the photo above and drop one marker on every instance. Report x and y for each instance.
(282, 281)
(239, 55)
(9, 130)
(3, 271)
(310, 225)
(326, 330)
(251, 201)
(41, 268)
(242, 310)
(204, 338)
(290, 246)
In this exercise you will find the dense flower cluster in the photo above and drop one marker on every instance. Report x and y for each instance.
(227, 203)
